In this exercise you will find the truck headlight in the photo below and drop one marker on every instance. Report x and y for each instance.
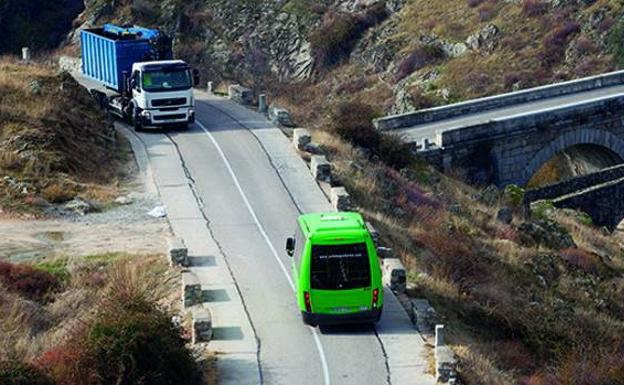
(191, 112)
(146, 114)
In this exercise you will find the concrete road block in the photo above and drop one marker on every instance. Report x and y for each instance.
(202, 325)
(385, 253)
(394, 275)
(301, 138)
(320, 168)
(262, 103)
(26, 54)
(240, 94)
(191, 290)
(340, 199)
(424, 316)
(178, 252)
(374, 233)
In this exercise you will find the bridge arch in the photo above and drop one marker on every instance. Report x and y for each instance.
(597, 137)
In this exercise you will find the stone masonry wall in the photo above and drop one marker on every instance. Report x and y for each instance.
(510, 151)
(575, 184)
(603, 203)
(499, 101)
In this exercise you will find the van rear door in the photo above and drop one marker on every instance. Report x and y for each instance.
(340, 278)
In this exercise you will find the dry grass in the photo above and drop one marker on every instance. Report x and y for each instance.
(28, 328)
(55, 139)
(491, 290)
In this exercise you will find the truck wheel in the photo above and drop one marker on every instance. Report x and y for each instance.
(136, 121)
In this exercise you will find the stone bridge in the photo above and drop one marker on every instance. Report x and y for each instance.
(506, 139)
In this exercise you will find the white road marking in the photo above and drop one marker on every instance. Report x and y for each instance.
(317, 339)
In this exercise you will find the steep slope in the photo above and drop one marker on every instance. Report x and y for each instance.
(54, 140)
(414, 53)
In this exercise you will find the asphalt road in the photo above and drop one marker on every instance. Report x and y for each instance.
(432, 130)
(250, 214)
(247, 186)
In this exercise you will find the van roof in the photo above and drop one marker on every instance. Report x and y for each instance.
(331, 223)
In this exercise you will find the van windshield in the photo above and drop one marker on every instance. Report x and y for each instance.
(340, 267)
(167, 80)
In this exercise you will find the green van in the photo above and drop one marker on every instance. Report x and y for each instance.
(335, 269)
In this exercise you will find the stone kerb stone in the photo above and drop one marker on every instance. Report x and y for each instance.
(178, 252)
(394, 274)
(202, 325)
(320, 168)
(191, 290)
(340, 199)
(445, 359)
(424, 316)
(240, 94)
(301, 138)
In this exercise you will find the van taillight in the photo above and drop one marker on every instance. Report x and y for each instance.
(375, 297)
(308, 303)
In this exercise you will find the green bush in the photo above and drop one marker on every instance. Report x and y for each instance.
(515, 194)
(136, 343)
(353, 122)
(615, 42)
(14, 372)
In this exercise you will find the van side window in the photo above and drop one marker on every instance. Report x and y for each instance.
(299, 245)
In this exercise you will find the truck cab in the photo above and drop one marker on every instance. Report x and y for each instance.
(162, 93)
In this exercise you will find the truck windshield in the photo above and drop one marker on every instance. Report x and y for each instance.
(340, 267)
(167, 80)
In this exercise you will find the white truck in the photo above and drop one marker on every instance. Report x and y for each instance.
(135, 77)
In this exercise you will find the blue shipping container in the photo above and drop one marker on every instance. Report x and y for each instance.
(104, 59)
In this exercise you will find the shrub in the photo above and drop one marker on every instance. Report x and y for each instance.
(13, 372)
(136, 343)
(534, 8)
(32, 283)
(555, 42)
(56, 193)
(515, 194)
(487, 12)
(334, 40)
(417, 59)
(615, 42)
(352, 121)
(130, 339)
(582, 259)
(474, 3)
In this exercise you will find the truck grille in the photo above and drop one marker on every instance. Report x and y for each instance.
(166, 117)
(169, 102)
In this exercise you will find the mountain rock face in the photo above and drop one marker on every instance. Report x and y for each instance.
(413, 53)
(28, 23)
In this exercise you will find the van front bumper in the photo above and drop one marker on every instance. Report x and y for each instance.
(314, 319)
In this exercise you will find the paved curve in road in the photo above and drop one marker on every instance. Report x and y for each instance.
(236, 161)
(250, 213)
(431, 130)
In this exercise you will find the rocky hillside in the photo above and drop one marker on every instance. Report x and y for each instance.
(53, 141)
(409, 53)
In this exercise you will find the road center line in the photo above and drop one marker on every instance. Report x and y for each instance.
(317, 339)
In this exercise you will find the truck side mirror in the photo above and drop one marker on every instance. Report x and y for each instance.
(195, 77)
(290, 246)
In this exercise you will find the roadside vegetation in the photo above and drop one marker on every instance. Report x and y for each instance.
(527, 302)
(97, 320)
(55, 144)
